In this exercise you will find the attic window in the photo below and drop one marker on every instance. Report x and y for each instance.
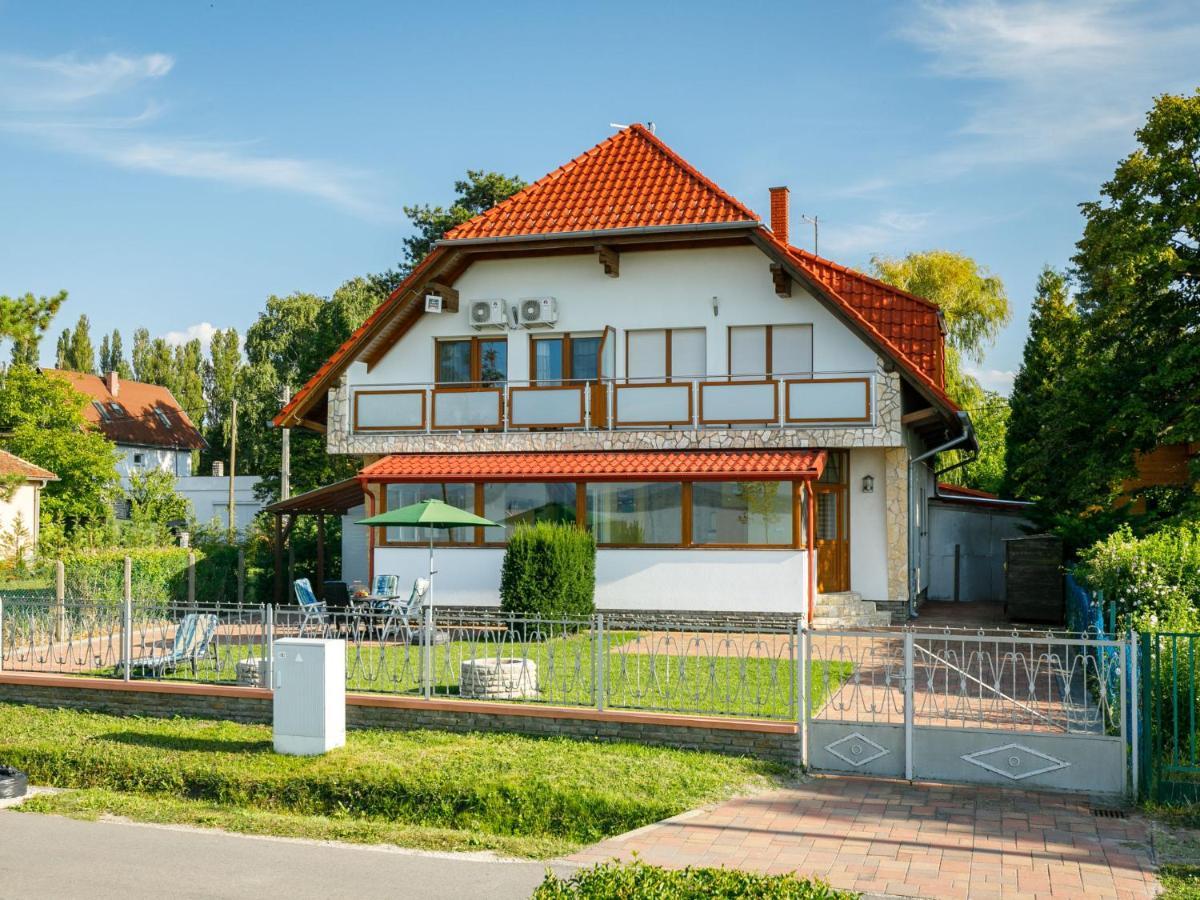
(117, 409)
(162, 417)
(102, 409)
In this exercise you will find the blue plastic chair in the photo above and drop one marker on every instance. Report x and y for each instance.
(314, 610)
(193, 637)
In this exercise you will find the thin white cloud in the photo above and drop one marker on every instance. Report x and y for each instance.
(82, 107)
(202, 331)
(1056, 79)
(999, 380)
(889, 230)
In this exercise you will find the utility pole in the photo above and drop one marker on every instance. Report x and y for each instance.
(232, 469)
(285, 474)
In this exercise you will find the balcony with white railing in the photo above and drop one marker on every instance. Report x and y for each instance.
(802, 401)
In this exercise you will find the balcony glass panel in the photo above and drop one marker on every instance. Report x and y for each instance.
(635, 513)
(466, 408)
(736, 402)
(511, 504)
(742, 512)
(845, 400)
(383, 410)
(539, 407)
(642, 404)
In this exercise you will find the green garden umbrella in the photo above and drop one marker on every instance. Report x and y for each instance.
(429, 514)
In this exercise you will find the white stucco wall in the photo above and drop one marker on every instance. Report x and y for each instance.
(711, 580)
(355, 557)
(23, 503)
(661, 289)
(177, 462)
(868, 526)
(210, 498)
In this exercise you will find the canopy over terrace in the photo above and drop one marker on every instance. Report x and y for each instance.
(333, 499)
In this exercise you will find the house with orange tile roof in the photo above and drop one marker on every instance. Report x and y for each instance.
(20, 504)
(744, 426)
(154, 433)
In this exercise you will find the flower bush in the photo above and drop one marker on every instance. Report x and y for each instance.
(1154, 580)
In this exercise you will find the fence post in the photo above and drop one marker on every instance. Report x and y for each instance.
(269, 651)
(127, 620)
(60, 601)
(1131, 665)
(600, 678)
(427, 653)
(191, 580)
(241, 576)
(908, 705)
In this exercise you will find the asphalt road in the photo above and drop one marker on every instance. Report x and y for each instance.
(48, 856)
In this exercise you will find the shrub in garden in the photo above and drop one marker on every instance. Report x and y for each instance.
(549, 570)
(1154, 580)
(614, 881)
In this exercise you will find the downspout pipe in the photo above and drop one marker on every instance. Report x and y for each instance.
(966, 437)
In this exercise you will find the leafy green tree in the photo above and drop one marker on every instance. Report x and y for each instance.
(221, 371)
(112, 356)
(42, 421)
(26, 351)
(1138, 266)
(140, 355)
(477, 193)
(1036, 429)
(62, 349)
(80, 355)
(975, 306)
(154, 503)
(27, 316)
(185, 380)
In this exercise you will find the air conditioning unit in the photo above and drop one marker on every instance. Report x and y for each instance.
(538, 312)
(488, 314)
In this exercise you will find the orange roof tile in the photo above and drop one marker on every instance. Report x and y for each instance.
(11, 464)
(141, 402)
(627, 465)
(629, 180)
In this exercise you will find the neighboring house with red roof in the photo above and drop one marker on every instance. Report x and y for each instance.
(20, 504)
(152, 432)
(743, 425)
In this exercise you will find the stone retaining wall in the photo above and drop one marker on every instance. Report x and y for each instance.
(776, 741)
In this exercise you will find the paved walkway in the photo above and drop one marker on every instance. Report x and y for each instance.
(889, 837)
(49, 856)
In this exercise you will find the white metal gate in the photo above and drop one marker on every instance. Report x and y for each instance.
(1038, 711)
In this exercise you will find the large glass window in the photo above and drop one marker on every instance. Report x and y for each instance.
(635, 513)
(511, 504)
(460, 495)
(472, 361)
(574, 357)
(742, 512)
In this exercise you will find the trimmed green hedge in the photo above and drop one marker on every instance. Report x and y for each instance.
(159, 574)
(549, 570)
(614, 881)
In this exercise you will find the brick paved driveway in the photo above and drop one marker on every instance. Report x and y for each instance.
(890, 837)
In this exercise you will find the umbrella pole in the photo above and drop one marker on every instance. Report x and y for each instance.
(428, 642)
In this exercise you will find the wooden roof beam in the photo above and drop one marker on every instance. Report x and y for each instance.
(783, 281)
(610, 259)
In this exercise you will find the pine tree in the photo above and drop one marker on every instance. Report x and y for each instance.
(1037, 419)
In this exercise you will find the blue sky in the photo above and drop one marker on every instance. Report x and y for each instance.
(173, 164)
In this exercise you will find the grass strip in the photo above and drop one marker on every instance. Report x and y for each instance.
(618, 881)
(95, 803)
(496, 784)
(1179, 882)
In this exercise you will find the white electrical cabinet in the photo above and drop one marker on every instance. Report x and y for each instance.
(310, 695)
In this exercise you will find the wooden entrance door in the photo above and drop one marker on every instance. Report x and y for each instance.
(832, 536)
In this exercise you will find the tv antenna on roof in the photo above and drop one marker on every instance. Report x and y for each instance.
(649, 125)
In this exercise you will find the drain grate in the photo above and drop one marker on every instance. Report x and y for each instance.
(1102, 813)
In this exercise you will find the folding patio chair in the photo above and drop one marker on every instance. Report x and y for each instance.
(313, 610)
(193, 636)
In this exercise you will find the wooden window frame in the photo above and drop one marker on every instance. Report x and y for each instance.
(669, 377)
(424, 412)
(687, 542)
(768, 355)
(476, 341)
(568, 362)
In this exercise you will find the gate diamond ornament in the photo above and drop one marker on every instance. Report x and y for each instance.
(1015, 761)
(856, 749)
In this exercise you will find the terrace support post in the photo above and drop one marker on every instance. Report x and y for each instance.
(600, 676)
(241, 576)
(320, 556)
(191, 581)
(60, 601)
(908, 705)
(277, 592)
(803, 668)
(127, 620)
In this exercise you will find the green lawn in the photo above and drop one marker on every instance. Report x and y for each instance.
(515, 795)
(620, 881)
(752, 684)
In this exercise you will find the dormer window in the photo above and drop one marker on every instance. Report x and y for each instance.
(162, 417)
(117, 410)
(103, 410)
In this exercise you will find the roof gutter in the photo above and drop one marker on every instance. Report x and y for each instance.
(966, 438)
(598, 233)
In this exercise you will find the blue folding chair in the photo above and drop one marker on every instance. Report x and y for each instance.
(313, 610)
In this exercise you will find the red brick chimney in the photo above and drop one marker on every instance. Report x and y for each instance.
(779, 212)
(112, 383)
